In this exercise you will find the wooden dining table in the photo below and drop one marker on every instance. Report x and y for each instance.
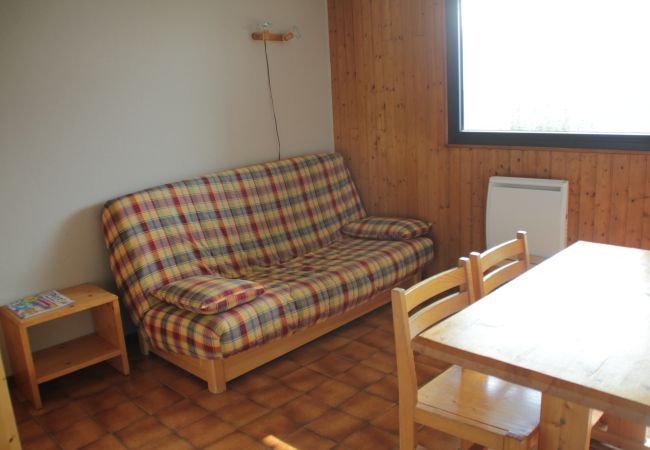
(577, 328)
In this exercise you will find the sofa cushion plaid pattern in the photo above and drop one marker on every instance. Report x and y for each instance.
(154, 239)
(275, 203)
(208, 336)
(217, 223)
(346, 272)
(385, 228)
(307, 290)
(276, 224)
(226, 224)
(207, 294)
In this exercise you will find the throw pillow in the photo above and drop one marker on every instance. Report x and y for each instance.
(386, 228)
(208, 294)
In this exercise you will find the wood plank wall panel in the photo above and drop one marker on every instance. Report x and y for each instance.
(389, 102)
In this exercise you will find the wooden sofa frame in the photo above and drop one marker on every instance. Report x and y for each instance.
(216, 372)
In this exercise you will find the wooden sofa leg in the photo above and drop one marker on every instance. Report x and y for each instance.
(216, 376)
(143, 340)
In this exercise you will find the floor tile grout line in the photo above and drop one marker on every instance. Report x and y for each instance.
(332, 344)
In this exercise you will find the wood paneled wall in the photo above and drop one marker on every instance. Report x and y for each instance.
(389, 100)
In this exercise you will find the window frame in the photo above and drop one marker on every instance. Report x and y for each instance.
(456, 135)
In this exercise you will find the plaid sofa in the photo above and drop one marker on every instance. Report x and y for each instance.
(277, 224)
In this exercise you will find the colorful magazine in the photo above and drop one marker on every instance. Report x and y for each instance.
(39, 303)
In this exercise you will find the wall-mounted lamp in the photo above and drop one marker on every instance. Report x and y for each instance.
(265, 35)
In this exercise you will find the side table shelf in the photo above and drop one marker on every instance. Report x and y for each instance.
(105, 344)
(76, 354)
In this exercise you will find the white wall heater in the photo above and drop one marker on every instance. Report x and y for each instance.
(535, 205)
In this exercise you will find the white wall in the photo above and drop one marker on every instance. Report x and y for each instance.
(102, 98)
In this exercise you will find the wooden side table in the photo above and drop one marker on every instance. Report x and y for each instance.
(105, 344)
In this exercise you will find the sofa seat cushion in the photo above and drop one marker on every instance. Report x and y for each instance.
(208, 294)
(335, 278)
(386, 228)
(271, 315)
(300, 292)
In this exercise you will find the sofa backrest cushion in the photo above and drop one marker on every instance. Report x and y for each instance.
(226, 223)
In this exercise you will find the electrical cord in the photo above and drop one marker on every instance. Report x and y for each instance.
(275, 117)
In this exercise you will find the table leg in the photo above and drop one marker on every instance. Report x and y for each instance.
(563, 425)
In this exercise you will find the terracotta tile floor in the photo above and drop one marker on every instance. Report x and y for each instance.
(339, 391)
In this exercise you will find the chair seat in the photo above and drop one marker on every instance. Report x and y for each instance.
(490, 406)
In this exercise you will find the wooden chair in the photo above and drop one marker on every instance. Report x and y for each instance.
(477, 408)
(498, 265)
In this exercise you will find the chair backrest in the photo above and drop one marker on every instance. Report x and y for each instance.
(407, 326)
(499, 264)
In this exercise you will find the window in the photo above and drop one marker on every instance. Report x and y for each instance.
(560, 73)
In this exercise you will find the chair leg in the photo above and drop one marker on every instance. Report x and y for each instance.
(406, 430)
